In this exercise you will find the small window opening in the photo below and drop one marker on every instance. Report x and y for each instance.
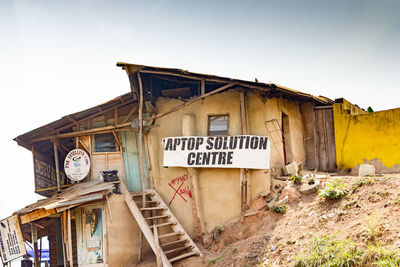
(218, 125)
(105, 143)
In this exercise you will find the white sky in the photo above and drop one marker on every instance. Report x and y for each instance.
(58, 57)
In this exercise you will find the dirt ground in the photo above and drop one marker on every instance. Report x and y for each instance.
(273, 239)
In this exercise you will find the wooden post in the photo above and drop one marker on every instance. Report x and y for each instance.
(202, 86)
(157, 247)
(148, 162)
(57, 165)
(70, 254)
(189, 129)
(141, 167)
(243, 172)
(35, 245)
(64, 236)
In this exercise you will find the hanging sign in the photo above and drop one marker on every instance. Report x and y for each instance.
(240, 151)
(77, 164)
(11, 242)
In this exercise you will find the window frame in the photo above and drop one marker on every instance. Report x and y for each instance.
(218, 115)
(93, 137)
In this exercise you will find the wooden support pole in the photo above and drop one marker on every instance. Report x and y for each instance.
(148, 162)
(189, 129)
(203, 86)
(70, 253)
(243, 172)
(157, 247)
(64, 236)
(57, 165)
(35, 245)
(140, 147)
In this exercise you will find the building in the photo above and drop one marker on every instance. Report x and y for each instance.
(99, 223)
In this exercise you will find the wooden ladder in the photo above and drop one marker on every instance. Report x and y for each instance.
(174, 243)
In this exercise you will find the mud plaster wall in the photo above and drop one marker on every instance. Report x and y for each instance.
(371, 138)
(123, 234)
(219, 189)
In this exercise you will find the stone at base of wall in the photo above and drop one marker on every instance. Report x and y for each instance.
(366, 170)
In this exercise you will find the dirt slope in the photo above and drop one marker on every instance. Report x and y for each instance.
(272, 239)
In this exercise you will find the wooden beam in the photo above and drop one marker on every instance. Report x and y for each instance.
(192, 101)
(70, 253)
(134, 109)
(141, 165)
(243, 172)
(202, 86)
(87, 118)
(36, 215)
(83, 132)
(57, 164)
(115, 117)
(35, 245)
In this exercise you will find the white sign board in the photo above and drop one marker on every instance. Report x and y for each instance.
(77, 165)
(240, 151)
(11, 242)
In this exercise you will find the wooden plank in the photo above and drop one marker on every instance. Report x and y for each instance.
(70, 253)
(331, 140)
(157, 246)
(170, 234)
(133, 110)
(202, 86)
(153, 208)
(158, 217)
(35, 245)
(175, 242)
(180, 257)
(178, 249)
(163, 224)
(36, 215)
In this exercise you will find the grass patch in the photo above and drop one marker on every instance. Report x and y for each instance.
(279, 209)
(372, 225)
(333, 190)
(229, 253)
(326, 252)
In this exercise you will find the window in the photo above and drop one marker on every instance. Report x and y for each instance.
(105, 143)
(218, 124)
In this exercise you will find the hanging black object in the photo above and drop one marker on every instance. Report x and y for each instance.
(110, 175)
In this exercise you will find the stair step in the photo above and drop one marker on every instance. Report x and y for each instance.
(175, 242)
(162, 224)
(170, 234)
(148, 202)
(178, 249)
(139, 194)
(158, 217)
(183, 256)
(154, 208)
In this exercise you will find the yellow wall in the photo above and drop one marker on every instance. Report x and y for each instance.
(219, 189)
(372, 138)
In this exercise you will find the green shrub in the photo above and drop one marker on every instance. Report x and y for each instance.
(311, 180)
(333, 190)
(279, 209)
(297, 179)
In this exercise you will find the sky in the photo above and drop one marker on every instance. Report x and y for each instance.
(59, 57)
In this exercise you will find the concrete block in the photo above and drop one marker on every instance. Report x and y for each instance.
(291, 168)
(366, 170)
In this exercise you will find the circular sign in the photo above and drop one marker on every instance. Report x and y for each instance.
(77, 165)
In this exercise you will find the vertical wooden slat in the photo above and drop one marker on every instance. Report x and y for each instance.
(70, 253)
(35, 245)
(57, 165)
(141, 167)
(243, 176)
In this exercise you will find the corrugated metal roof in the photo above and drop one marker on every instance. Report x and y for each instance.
(257, 85)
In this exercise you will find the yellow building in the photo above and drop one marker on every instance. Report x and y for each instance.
(363, 137)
